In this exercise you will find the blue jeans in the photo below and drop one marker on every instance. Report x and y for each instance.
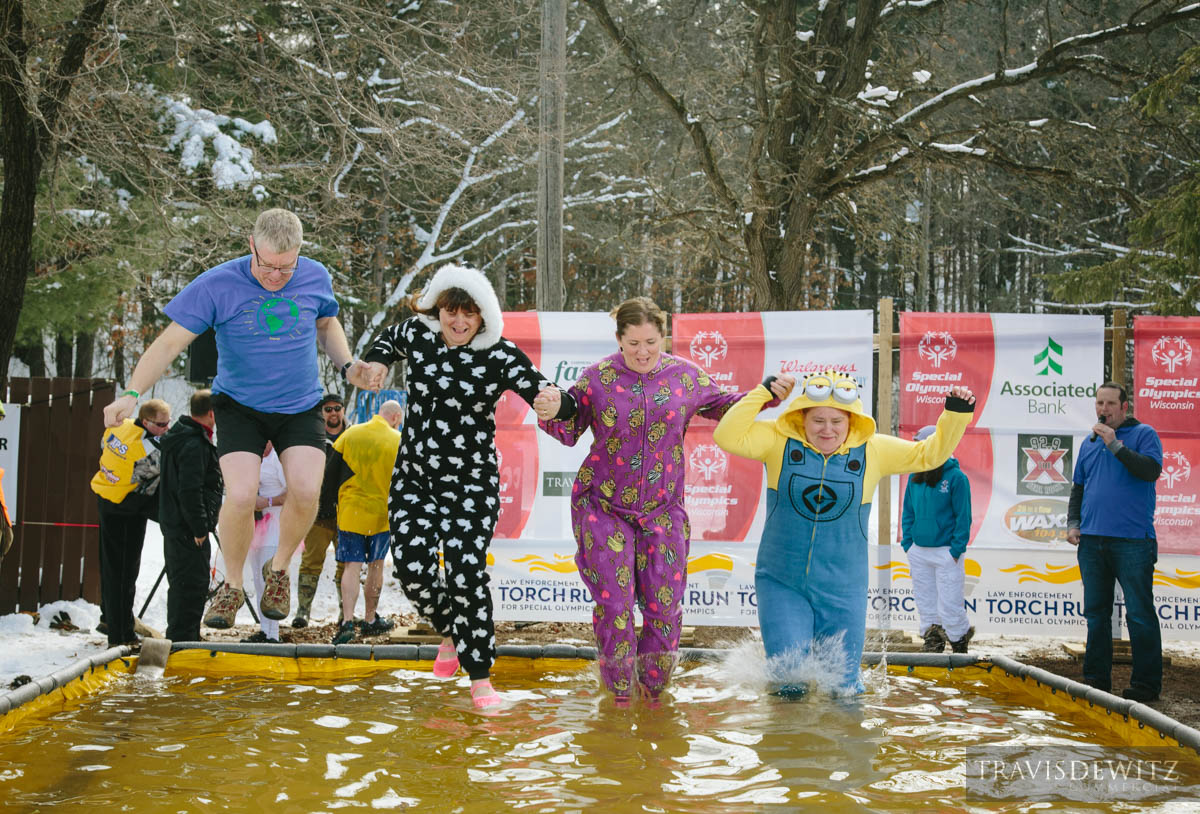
(1130, 562)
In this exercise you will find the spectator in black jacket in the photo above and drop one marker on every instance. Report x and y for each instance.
(190, 491)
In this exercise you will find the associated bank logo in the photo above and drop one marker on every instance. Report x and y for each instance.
(709, 460)
(1176, 469)
(1049, 359)
(937, 347)
(1171, 352)
(708, 347)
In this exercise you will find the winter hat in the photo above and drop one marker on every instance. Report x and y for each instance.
(925, 432)
(331, 397)
(480, 290)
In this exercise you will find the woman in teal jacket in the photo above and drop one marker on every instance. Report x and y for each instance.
(935, 528)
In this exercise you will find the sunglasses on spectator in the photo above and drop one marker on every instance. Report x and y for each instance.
(160, 424)
(333, 408)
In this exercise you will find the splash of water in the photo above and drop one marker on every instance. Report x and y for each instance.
(819, 668)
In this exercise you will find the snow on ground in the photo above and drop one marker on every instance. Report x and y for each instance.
(38, 650)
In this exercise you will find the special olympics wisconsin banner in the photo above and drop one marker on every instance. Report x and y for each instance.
(1166, 395)
(1166, 373)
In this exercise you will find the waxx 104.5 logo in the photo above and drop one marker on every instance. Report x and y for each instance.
(937, 347)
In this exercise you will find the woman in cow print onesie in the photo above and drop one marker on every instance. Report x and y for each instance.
(445, 487)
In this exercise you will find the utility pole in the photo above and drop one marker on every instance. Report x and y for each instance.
(551, 103)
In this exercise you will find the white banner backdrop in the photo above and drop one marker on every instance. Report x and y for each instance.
(532, 558)
(1025, 593)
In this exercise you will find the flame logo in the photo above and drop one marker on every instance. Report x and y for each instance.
(563, 564)
(707, 347)
(1171, 352)
(710, 562)
(1053, 574)
(937, 347)
(1189, 580)
(1175, 468)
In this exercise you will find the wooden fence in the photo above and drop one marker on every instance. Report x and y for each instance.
(55, 553)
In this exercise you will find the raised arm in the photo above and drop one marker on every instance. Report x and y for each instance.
(740, 433)
(150, 368)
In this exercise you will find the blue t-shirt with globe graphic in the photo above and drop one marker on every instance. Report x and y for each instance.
(266, 340)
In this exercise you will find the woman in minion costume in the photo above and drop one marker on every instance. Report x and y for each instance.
(823, 459)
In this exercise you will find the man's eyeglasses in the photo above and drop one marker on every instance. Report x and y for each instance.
(282, 270)
(333, 408)
(162, 425)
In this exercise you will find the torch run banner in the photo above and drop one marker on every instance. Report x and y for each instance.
(533, 573)
(1035, 379)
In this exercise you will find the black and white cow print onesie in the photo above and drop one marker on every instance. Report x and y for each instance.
(446, 484)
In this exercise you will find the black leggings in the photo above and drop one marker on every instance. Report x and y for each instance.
(459, 527)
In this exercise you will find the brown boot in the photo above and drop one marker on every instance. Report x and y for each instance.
(277, 593)
(306, 589)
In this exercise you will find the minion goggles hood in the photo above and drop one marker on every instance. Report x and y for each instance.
(830, 388)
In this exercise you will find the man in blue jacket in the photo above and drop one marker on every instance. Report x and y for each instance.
(936, 526)
(1111, 519)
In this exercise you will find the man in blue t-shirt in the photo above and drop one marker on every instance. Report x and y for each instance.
(1110, 518)
(270, 309)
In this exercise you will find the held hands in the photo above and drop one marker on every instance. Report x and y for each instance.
(963, 393)
(367, 375)
(547, 402)
(1106, 433)
(120, 409)
(781, 388)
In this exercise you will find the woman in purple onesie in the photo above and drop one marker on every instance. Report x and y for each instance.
(627, 508)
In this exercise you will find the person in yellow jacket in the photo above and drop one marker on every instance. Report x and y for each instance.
(126, 487)
(824, 460)
(361, 465)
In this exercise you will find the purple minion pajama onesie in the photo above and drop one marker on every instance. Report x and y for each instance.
(627, 512)
(811, 569)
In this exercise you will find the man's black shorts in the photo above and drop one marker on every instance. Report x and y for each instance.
(244, 429)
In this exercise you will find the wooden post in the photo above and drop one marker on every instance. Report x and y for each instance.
(1119, 334)
(553, 71)
(883, 414)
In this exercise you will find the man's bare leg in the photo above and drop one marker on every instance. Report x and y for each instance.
(235, 525)
(372, 591)
(350, 589)
(303, 468)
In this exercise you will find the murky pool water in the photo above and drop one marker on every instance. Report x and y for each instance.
(403, 739)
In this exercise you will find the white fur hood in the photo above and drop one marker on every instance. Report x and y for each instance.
(477, 285)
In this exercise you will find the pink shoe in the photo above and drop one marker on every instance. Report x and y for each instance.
(446, 663)
(483, 695)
